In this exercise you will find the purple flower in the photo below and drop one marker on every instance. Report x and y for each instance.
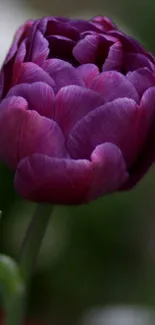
(77, 110)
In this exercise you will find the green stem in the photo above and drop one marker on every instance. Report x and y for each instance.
(14, 311)
(33, 239)
(27, 261)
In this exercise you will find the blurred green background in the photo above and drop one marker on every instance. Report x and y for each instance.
(95, 255)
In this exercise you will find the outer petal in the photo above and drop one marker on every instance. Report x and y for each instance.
(88, 72)
(21, 32)
(30, 38)
(109, 170)
(134, 61)
(30, 72)
(147, 156)
(72, 103)
(112, 85)
(19, 59)
(129, 44)
(26, 132)
(39, 96)
(13, 102)
(104, 22)
(115, 122)
(147, 107)
(1, 83)
(142, 79)
(63, 73)
(57, 181)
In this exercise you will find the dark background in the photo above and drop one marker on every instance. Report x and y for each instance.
(100, 254)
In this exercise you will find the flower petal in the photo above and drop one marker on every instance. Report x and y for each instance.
(1, 84)
(63, 73)
(26, 132)
(72, 103)
(133, 61)
(92, 49)
(147, 155)
(19, 59)
(142, 79)
(88, 72)
(21, 32)
(39, 96)
(104, 22)
(147, 108)
(114, 60)
(40, 49)
(112, 123)
(129, 44)
(57, 181)
(55, 27)
(30, 72)
(84, 25)
(13, 102)
(112, 85)
(109, 170)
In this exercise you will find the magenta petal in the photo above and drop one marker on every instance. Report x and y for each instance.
(13, 102)
(104, 22)
(40, 49)
(112, 85)
(63, 73)
(147, 107)
(72, 103)
(147, 156)
(1, 83)
(15, 43)
(55, 27)
(26, 132)
(133, 61)
(30, 72)
(84, 25)
(114, 60)
(19, 59)
(85, 51)
(88, 72)
(112, 123)
(57, 181)
(109, 170)
(145, 160)
(129, 44)
(39, 96)
(91, 49)
(142, 79)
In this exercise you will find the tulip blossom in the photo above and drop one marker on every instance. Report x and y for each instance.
(77, 110)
